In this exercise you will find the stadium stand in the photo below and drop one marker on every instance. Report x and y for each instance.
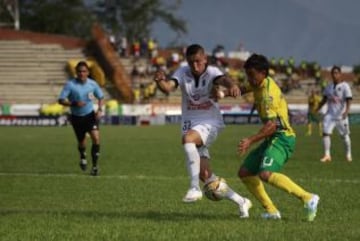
(33, 66)
(31, 72)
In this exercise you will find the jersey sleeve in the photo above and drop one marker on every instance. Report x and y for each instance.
(215, 71)
(98, 92)
(348, 93)
(177, 76)
(65, 92)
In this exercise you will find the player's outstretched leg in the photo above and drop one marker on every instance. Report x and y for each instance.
(216, 188)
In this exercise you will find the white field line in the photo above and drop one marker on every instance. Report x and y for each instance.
(143, 177)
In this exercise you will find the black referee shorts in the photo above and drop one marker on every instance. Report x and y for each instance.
(84, 124)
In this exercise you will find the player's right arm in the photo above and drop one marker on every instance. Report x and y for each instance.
(163, 83)
(64, 97)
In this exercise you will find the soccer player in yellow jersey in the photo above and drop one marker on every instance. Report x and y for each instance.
(313, 115)
(263, 163)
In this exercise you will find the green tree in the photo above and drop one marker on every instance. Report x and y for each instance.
(356, 69)
(6, 19)
(68, 17)
(135, 18)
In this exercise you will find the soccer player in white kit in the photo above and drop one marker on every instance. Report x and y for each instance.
(338, 97)
(201, 119)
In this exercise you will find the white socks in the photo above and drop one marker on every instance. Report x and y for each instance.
(347, 143)
(233, 196)
(327, 144)
(229, 193)
(193, 164)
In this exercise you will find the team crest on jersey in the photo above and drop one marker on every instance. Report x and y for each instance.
(91, 95)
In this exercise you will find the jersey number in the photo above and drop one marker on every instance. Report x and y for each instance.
(186, 125)
(267, 161)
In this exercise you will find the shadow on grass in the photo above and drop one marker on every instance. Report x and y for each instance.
(146, 215)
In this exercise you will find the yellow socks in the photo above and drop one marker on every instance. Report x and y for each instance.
(309, 129)
(283, 182)
(256, 187)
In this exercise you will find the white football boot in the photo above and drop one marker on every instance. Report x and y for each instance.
(244, 208)
(275, 215)
(326, 158)
(192, 195)
(349, 158)
(311, 207)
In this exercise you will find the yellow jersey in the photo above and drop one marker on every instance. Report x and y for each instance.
(271, 105)
(313, 101)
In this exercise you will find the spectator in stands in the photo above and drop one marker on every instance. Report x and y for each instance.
(112, 40)
(136, 48)
(144, 47)
(123, 47)
(78, 94)
(151, 48)
(337, 95)
(201, 121)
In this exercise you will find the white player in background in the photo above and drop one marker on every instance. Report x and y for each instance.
(201, 120)
(337, 96)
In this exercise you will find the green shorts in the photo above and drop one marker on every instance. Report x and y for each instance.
(270, 155)
(313, 117)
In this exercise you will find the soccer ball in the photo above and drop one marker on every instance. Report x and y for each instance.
(215, 190)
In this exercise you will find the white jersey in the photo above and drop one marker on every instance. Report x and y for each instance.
(197, 106)
(336, 98)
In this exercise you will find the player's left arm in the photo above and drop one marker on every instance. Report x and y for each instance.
(347, 108)
(231, 88)
(348, 100)
(100, 99)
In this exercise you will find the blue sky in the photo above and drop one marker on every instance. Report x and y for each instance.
(326, 31)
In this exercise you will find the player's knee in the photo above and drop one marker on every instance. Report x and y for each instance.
(192, 137)
(264, 175)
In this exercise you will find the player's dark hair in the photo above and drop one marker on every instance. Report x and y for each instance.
(335, 67)
(81, 64)
(258, 62)
(194, 49)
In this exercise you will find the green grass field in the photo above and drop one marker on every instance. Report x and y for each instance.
(45, 196)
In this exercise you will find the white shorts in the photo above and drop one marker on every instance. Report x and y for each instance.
(342, 125)
(208, 134)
